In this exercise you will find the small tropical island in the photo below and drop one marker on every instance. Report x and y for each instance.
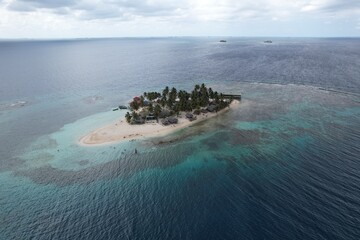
(155, 114)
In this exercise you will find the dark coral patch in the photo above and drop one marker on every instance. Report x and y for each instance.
(245, 137)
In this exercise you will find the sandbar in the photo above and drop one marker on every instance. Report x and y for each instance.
(122, 131)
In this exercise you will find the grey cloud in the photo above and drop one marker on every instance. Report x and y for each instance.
(62, 11)
(33, 5)
(146, 8)
(88, 10)
(343, 5)
(128, 9)
(333, 6)
(101, 14)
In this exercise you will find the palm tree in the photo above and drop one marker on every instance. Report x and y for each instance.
(202, 87)
(128, 117)
(151, 107)
(216, 97)
(176, 109)
(134, 105)
(204, 96)
(197, 87)
(163, 101)
(142, 100)
(211, 93)
(172, 97)
(134, 115)
(157, 110)
(165, 92)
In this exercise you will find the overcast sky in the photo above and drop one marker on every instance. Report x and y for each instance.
(135, 18)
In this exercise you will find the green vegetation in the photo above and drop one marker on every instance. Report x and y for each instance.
(128, 117)
(172, 101)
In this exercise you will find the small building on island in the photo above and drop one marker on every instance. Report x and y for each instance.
(150, 118)
(138, 120)
(169, 120)
(212, 108)
(190, 116)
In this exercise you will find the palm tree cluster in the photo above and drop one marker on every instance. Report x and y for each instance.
(176, 101)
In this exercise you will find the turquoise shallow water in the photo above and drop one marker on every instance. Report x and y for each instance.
(284, 165)
(60, 148)
(235, 167)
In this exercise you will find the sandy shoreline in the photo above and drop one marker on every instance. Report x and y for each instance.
(122, 131)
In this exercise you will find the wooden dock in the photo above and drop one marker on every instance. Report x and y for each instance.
(233, 96)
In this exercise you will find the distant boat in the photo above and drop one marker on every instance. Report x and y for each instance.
(123, 107)
(268, 41)
(222, 41)
(115, 109)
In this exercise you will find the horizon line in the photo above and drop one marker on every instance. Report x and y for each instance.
(143, 37)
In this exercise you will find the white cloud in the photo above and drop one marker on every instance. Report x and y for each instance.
(74, 17)
(331, 5)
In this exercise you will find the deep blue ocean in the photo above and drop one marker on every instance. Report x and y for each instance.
(285, 164)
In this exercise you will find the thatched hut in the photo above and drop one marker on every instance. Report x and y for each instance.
(172, 120)
(211, 108)
(190, 116)
(169, 120)
(165, 122)
(138, 120)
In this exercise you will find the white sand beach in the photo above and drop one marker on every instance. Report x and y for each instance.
(122, 131)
